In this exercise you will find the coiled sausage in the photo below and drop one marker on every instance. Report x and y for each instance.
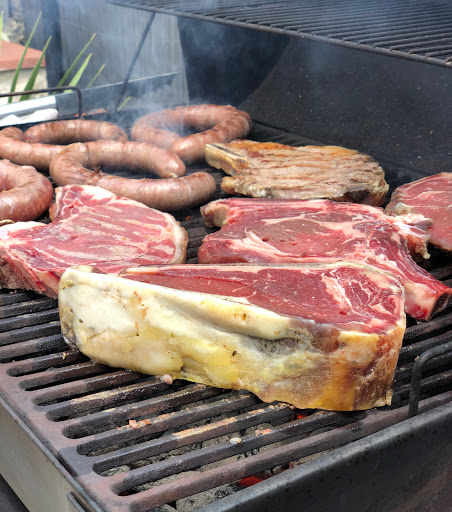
(25, 193)
(74, 130)
(38, 145)
(220, 123)
(72, 165)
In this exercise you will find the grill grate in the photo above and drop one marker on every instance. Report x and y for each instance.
(124, 437)
(414, 30)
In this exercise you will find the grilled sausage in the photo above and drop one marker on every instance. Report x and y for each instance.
(26, 193)
(220, 123)
(24, 148)
(133, 155)
(170, 194)
(74, 130)
(14, 148)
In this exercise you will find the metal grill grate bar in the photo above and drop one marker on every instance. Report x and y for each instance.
(187, 485)
(204, 456)
(185, 438)
(165, 422)
(80, 427)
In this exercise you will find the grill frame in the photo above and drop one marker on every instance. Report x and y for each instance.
(376, 442)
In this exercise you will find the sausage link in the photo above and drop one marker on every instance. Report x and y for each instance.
(216, 123)
(74, 130)
(132, 155)
(26, 193)
(170, 194)
(15, 147)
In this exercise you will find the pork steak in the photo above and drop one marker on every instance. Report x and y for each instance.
(284, 231)
(431, 197)
(269, 169)
(314, 335)
(90, 226)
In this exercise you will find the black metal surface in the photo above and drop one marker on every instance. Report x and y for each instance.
(413, 30)
(118, 434)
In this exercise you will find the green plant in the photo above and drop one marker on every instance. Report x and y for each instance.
(69, 78)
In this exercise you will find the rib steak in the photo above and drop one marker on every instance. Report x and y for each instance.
(314, 335)
(431, 197)
(90, 226)
(284, 231)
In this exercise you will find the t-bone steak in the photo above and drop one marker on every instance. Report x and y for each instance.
(431, 197)
(269, 169)
(279, 231)
(314, 335)
(90, 226)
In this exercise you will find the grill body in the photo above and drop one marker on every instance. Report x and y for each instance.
(82, 437)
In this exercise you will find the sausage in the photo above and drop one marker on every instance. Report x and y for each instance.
(216, 123)
(74, 130)
(15, 147)
(132, 155)
(170, 194)
(26, 193)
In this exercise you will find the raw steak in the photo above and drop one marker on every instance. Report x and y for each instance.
(268, 169)
(316, 335)
(431, 197)
(264, 231)
(90, 226)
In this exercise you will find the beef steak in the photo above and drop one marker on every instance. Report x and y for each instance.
(269, 169)
(90, 226)
(314, 335)
(279, 231)
(431, 197)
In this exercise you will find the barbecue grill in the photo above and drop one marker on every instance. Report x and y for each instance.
(78, 436)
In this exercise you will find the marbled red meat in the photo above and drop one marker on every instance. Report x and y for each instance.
(284, 231)
(351, 297)
(431, 197)
(90, 226)
(313, 335)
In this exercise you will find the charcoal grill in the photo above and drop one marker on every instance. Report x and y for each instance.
(78, 436)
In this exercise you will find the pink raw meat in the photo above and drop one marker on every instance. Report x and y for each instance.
(431, 197)
(290, 231)
(90, 226)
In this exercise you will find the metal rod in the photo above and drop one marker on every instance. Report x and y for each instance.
(416, 375)
(134, 60)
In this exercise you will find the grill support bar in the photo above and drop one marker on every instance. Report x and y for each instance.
(416, 374)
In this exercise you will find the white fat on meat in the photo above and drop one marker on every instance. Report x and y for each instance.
(225, 341)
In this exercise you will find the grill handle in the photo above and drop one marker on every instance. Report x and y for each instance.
(416, 374)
